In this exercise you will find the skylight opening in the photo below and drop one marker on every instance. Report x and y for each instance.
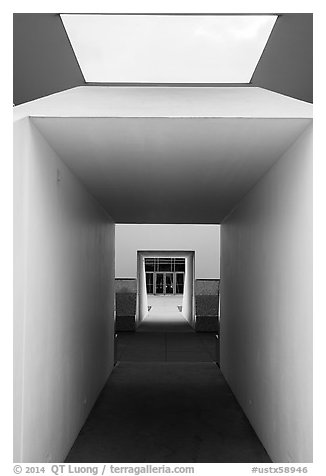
(167, 48)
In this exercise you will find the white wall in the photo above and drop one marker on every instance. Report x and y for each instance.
(101, 101)
(266, 305)
(188, 304)
(64, 282)
(203, 239)
(142, 301)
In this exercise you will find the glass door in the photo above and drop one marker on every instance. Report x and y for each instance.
(168, 283)
(164, 283)
(150, 283)
(159, 285)
(179, 283)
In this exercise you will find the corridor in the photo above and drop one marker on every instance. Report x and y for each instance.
(166, 400)
(184, 172)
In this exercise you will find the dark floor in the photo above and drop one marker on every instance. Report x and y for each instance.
(166, 401)
(167, 412)
(166, 347)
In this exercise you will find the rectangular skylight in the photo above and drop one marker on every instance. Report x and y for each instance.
(167, 48)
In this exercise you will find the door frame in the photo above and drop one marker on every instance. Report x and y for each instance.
(188, 302)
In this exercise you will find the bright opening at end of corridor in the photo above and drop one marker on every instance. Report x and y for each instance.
(164, 289)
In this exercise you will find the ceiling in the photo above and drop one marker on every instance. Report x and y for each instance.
(44, 62)
(169, 169)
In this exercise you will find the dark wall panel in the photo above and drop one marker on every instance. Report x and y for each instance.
(286, 65)
(44, 62)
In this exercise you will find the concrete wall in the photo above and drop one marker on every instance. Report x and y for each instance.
(203, 239)
(207, 287)
(64, 295)
(43, 60)
(126, 304)
(286, 65)
(266, 304)
(207, 305)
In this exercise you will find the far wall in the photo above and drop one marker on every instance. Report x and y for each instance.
(203, 239)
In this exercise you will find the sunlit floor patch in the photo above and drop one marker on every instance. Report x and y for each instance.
(164, 316)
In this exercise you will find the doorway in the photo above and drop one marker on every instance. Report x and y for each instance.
(169, 276)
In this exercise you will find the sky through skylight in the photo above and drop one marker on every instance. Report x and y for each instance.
(167, 48)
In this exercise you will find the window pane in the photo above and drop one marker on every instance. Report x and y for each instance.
(165, 264)
(180, 264)
(149, 264)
